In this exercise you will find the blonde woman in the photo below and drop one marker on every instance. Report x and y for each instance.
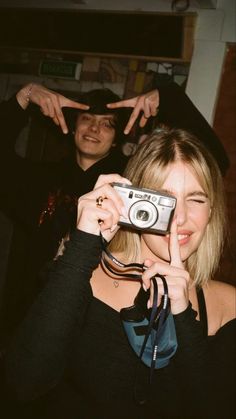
(74, 333)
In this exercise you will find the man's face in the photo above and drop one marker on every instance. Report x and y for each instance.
(94, 135)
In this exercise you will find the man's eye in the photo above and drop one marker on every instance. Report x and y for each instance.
(86, 118)
(106, 124)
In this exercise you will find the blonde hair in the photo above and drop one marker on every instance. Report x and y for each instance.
(149, 167)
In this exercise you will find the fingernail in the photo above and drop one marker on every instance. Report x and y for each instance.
(149, 304)
(127, 180)
(144, 287)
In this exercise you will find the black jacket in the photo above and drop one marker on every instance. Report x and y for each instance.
(40, 198)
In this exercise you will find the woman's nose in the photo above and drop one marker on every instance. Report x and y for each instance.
(180, 213)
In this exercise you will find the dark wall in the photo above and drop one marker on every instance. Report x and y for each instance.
(127, 33)
(225, 126)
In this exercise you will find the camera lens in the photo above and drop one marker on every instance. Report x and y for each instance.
(143, 214)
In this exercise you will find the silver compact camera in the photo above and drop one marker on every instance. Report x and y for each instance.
(147, 210)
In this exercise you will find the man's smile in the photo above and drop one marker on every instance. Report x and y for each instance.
(91, 139)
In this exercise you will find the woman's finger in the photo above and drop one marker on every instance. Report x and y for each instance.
(106, 192)
(113, 177)
(160, 292)
(94, 218)
(174, 248)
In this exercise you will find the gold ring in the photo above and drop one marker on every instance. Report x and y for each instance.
(99, 201)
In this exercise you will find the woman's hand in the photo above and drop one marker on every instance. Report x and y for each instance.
(50, 103)
(147, 103)
(94, 216)
(177, 277)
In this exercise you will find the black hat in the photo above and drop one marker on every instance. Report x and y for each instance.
(97, 100)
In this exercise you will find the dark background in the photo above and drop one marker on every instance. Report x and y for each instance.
(143, 34)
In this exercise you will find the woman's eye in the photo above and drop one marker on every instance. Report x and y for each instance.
(198, 200)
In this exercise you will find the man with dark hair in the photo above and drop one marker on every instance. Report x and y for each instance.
(41, 197)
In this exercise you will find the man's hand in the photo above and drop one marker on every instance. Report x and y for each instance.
(50, 103)
(147, 103)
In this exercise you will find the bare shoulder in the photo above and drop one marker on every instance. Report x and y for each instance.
(221, 299)
(224, 291)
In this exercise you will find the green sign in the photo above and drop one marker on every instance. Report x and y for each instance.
(60, 69)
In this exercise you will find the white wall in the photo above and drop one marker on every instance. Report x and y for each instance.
(138, 5)
(214, 29)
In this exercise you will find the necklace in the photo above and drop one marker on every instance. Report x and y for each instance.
(106, 265)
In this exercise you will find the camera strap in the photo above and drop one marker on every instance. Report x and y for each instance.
(128, 266)
(156, 316)
(157, 319)
(150, 332)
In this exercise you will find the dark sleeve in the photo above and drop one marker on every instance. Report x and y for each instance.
(24, 186)
(39, 352)
(223, 367)
(12, 119)
(23, 183)
(178, 111)
(192, 344)
(206, 367)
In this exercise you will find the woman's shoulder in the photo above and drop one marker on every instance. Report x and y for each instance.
(221, 299)
(224, 290)
(221, 284)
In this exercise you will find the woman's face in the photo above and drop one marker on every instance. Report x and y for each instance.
(192, 215)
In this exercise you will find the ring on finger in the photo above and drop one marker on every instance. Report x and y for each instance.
(99, 201)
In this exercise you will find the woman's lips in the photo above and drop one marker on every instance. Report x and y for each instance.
(183, 237)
